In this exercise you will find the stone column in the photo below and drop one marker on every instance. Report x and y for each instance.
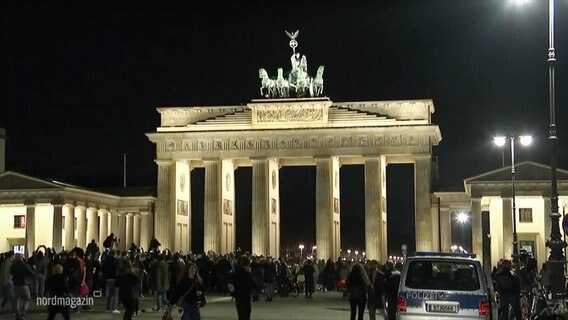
(326, 233)
(423, 223)
(122, 244)
(57, 235)
(30, 229)
(476, 228)
(113, 223)
(145, 232)
(445, 229)
(260, 207)
(164, 218)
(81, 227)
(374, 208)
(92, 224)
(129, 230)
(69, 212)
(212, 214)
(136, 229)
(103, 228)
(507, 241)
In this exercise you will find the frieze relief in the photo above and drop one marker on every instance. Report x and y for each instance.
(289, 114)
(291, 143)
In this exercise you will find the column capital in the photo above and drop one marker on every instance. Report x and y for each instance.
(425, 156)
(210, 160)
(323, 158)
(161, 162)
(129, 214)
(258, 159)
(144, 213)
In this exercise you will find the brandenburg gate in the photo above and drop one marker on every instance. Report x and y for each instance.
(270, 133)
(281, 130)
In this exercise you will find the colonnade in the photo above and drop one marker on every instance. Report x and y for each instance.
(76, 226)
(219, 214)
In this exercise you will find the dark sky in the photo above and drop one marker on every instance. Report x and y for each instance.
(80, 85)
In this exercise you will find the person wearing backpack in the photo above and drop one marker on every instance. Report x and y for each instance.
(509, 289)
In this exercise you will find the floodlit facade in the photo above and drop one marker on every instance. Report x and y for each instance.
(487, 198)
(36, 212)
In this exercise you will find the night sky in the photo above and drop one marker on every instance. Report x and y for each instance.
(80, 84)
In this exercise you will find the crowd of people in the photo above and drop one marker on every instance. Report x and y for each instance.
(177, 279)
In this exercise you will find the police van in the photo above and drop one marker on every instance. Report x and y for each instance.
(445, 286)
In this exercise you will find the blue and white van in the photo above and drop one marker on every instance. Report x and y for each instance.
(445, 286)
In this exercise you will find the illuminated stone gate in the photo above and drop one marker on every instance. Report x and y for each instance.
(267, 134)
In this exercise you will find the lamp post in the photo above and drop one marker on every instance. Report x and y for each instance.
(301, 247)
(525, 141)
(462, 218)
(556, 244)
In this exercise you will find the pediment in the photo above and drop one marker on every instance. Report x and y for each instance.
(11, 180)
(524, 171)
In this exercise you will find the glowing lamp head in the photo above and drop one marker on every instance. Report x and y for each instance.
(500, 140)
(526, 140)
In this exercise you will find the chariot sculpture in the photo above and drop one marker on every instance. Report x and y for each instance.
(295, 83)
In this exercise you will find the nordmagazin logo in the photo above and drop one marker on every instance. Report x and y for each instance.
(72, 302)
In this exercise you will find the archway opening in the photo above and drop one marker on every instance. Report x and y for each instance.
(243, 208)
(352, 208)
(297, 209)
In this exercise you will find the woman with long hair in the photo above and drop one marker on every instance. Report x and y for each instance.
(188, 293)
(357, 285)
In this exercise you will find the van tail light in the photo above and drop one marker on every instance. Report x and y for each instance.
(401, 305)
(484, 308)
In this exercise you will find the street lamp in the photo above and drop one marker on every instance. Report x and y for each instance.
(301, 246)
(525, 141)
(556, 244)
(349, 253)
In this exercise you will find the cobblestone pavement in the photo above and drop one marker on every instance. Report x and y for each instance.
(324, 305)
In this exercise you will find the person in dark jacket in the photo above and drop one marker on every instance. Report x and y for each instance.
(392, 280)
(509, 289)
(21, 271)
(109, 266)
(375, 291)
(127, 284)
(57, 287)
(188, 293)
(244, 287)
(269, 269)
(159, 282)
(357, 284)
(258, 276)
(309, 272)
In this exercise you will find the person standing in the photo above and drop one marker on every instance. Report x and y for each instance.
(392, 280)
(244, 287)
(309, 272)
(159, 282)
(188, 292)
(375, 293)
(57, 287)
(6, 284)
(509, 289)
(21, 271)
(127, 284)
(357, 283)
(109, 266)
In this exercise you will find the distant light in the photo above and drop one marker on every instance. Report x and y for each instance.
(500, 140)
(526, 140)
(301, 246)
(520, 2)
(462, 217)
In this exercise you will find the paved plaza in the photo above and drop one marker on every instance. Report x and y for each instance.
(324, 305)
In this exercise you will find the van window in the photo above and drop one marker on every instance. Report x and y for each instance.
(442, 275)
